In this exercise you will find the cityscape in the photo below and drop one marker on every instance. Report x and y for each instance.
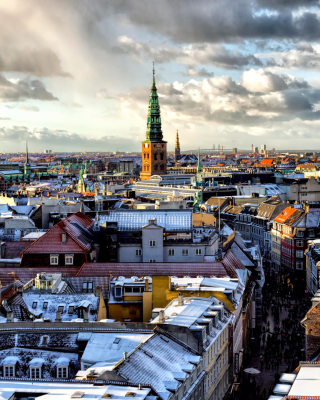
(160, 200)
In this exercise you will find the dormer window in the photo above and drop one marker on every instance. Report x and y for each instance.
(62, 372)
(44, 340)
(8, 371)
(61, 308)
(35, 372)
(45, 305)
(71, 310)
(118, 291)
(34, 305)
(54, 259)
(69, 259)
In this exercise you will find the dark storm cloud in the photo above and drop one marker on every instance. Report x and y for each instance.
(20, 90)
(220, 20)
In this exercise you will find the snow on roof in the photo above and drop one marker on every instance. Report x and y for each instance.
(307, 382)
(129, 220)
(64, 390)
(62, 361)
(10, 360)
(187, 313)
(157, 362)
(109, 347)
(46, 304)
(36, 362)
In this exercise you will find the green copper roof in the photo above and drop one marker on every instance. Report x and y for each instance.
(199, 169)
(154, 132)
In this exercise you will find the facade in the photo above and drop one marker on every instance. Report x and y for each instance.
(305, 190)
(313, 266)
(154, 148)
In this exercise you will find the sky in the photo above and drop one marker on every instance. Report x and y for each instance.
(75, 75)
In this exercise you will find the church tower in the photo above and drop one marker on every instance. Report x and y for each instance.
(27, 169)
(154, 148)
(177, 154)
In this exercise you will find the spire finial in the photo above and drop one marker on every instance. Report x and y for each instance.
(153, 77)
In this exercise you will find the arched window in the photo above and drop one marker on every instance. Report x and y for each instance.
(161, 156)
(162, 167)
(156, 167)
(155, 156)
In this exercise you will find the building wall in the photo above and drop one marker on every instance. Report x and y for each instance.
(120, 312)
(152, 233)
(309, 191)
(154, 159)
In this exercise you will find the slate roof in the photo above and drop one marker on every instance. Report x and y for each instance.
(78, 228)
(14, 249)
(45, 305)
(76, 282)
(160, 361)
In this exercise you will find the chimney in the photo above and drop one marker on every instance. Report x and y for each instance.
(10, 317)
(125, 355)
(140, 387)
(146, 285)
(85, 316)
(58, 316)
(64, 237)
(98, 291)
(161, 317)
(180, 299)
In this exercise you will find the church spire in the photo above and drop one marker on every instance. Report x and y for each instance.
(27, 154)
(27, 169)
(177, 148)
(199, 163)
(154, 131)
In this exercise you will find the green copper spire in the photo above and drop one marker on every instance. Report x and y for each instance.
(199, 163)
(85, 168)
(154, 132)
(27, 168)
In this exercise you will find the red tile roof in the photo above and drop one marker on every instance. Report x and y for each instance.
(7, 274)
(193, 270)
(78, 229)
(267, 161)
(289, 214)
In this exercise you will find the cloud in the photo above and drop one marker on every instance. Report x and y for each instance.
(20, 90)
(203, 21)
(103, 94)
(4, 118)
(260, 98)
(29, 108)
(265, 81)
(202, 72)
(191, 55)
(59, 140)
(72, 104)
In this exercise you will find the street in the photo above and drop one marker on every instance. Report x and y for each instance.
(277, 346)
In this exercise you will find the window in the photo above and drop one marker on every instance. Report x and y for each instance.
(90, 287)
(300, 234)
(118, 291)
(70, 309)
(152, 243)
(54, 260)
(198, 252)
(68, 259)
(311, 232)
(62, 372)
(299, 265)
(152, 261)
(35, 372)
(171, 252)
(185, 252)
(45, 305)
(44, 340)
(299, 254)
(138, 252)
(87, 287)
(136, 290)
(299, 243)
(34, 304)
(8, 371)
(61, 308)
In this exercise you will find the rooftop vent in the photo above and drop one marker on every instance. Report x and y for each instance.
(77, 395)
(117, 340)
(107, 396)
(130, 394)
